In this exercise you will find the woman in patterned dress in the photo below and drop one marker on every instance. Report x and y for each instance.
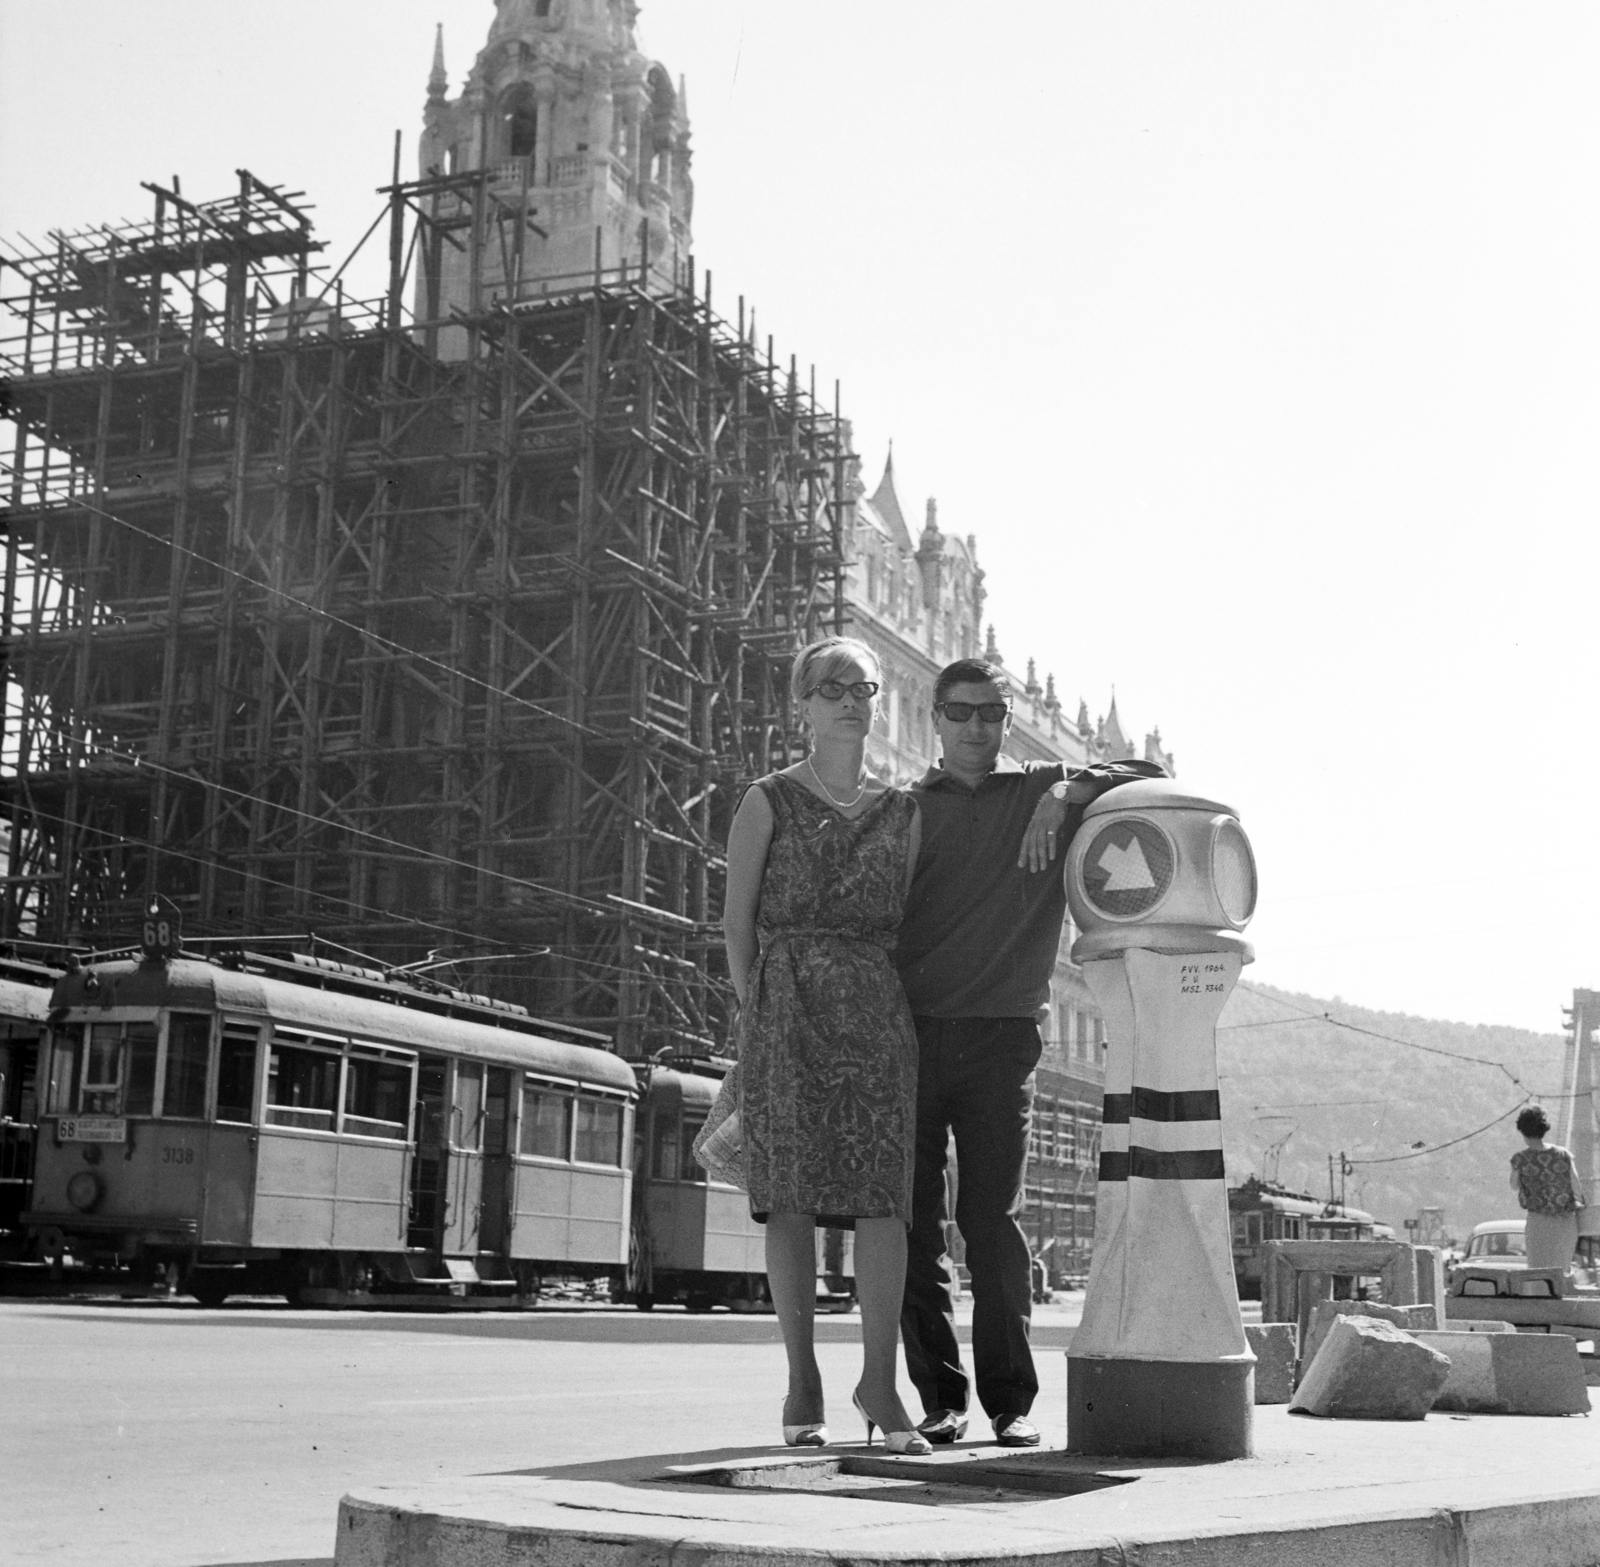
(1545, 1179)
(819, 862)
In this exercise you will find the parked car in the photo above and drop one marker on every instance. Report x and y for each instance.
(1498, 1243)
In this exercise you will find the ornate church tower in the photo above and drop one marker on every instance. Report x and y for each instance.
(576, 128)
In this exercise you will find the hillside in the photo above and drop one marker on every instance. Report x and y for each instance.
(1327, 1089)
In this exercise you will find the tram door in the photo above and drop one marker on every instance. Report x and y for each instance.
(464, 1189)
(495, 1203)
(430, 1167)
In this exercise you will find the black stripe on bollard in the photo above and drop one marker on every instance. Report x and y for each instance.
(1153, 1104)
(1156, 1164)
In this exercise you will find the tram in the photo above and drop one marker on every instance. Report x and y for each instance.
(695, 1242)
(1264, 1211)
(25, 989)
(292, 1124)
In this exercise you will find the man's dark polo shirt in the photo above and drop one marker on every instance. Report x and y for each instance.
(980, 936)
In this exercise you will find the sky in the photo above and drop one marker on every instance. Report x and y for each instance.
(1255, 342)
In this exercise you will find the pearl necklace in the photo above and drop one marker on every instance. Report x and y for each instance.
(843, 805)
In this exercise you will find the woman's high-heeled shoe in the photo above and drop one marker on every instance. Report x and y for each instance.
(913, 1443)
(813, 1433)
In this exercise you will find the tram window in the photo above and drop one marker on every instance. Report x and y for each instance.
(1252, 1230)
(546, 1123)
(64, 1069)
(467, 1124)
(496, 1110)
(664, 1157)
(188, 1056)
(302, 1088)
(376, 1094)
(102, 1072)
(139, 1098)
(236, 1075)
(599, 1139)
(690, 1168)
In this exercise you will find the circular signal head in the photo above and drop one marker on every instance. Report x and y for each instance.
(1128, 868)
(1233, 872)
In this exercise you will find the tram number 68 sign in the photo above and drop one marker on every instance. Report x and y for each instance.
(162, 937)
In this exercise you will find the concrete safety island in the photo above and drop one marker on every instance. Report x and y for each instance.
(1489, 1491)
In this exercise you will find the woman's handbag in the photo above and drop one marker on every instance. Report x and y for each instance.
(719, 1145)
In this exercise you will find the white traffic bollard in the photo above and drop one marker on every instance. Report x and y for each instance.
(1160, 883)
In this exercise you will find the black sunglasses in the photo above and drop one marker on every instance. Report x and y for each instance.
(960, 712)
(834, 690)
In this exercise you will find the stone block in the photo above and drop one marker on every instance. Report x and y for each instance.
(1367, 1369)
(1326, 1312)
(1469, 1325)
(1511, 1373)
(1275, 1346)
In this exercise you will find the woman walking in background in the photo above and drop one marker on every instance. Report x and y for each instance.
(1545, 1179)
(819, 860)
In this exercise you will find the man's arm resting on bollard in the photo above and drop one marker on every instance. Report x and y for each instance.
(1080, 785)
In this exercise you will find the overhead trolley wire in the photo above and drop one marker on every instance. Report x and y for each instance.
(1422, 1153)
(1372, 1033)
(364, 632)
(556, 894)
(475, 937)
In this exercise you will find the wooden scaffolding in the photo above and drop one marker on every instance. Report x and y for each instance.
(442, 631)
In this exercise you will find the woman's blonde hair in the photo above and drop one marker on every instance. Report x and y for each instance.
(827, 659)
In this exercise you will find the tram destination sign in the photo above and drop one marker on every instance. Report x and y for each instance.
(91, 1129)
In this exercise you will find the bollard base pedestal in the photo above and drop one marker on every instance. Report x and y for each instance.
(1161, 1408)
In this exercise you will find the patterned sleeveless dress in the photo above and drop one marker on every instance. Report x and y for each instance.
(827, 1048)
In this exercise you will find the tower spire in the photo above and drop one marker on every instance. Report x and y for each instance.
(438, 80)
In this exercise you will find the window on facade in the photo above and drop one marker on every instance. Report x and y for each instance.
(188, 1056)
(377, 1094)
(521, 127)
(541, 7)
(546, 1122)
(236, 1074)
(302, 1087)
(599, 1132)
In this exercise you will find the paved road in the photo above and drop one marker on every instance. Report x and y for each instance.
(154, 1435)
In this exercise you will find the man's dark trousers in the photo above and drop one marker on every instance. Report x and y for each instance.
(975, 1078)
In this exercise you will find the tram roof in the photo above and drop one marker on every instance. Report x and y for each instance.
(196, 985)
(690, 1087)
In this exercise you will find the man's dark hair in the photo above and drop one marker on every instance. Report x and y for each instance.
(971, 672)
(1533, 1122)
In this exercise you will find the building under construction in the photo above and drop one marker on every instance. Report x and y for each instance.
(449, 621)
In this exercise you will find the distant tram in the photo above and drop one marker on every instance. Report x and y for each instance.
(1264, 1211)
(253, 1124)
(296, 1125)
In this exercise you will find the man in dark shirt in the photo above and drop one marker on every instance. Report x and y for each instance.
(976, 951)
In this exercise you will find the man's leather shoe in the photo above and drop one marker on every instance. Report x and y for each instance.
(943, 1426)
(1014, 1431)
